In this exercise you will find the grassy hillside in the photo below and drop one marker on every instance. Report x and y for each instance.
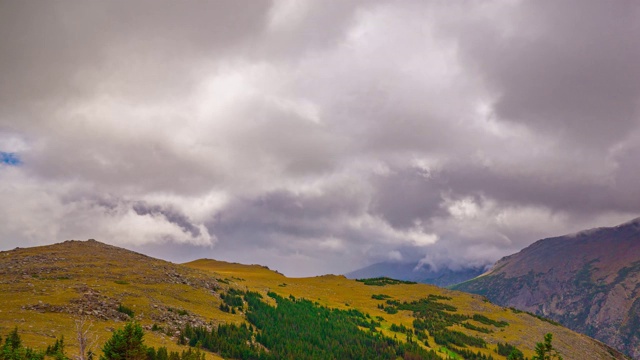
(45, 289)
(523, 330)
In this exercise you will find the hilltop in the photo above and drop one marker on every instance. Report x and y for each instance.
(46, 288)
(588, 281)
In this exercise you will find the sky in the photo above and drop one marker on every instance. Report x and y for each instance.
(320, 136)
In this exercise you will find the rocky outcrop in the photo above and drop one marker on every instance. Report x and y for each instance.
(90, 303)
(589, 282)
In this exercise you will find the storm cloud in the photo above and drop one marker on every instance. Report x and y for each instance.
(318, 136)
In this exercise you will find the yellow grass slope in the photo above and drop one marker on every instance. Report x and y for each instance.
(336, 291)
(46, 289)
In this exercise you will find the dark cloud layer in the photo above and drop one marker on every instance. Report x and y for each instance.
(572, 70)
(318, 136)
(170, 215)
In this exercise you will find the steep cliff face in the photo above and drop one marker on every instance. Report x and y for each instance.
(589, 282)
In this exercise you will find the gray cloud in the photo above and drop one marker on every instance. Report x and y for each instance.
(56, 50)
(568, 71)
(408, 195)
(169, 214)
(318, 136)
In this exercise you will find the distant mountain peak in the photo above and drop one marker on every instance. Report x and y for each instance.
(588, 281)
(415, 271)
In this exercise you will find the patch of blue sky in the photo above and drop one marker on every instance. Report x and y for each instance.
(9, 158)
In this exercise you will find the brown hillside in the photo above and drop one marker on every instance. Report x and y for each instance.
(589, 281)
(46, 288)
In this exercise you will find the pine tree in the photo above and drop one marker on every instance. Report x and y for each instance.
(125, 344)
(13, 340)
(545, 351)
(14, 350)
(57, 350)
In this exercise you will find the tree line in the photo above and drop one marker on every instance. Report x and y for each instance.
(125, 344)
(293, 329)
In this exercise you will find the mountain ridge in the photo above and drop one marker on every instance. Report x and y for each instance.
(588, 281)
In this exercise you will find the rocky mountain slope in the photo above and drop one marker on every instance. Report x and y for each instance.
(45, 289)
(589, 281)
(411, 272)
